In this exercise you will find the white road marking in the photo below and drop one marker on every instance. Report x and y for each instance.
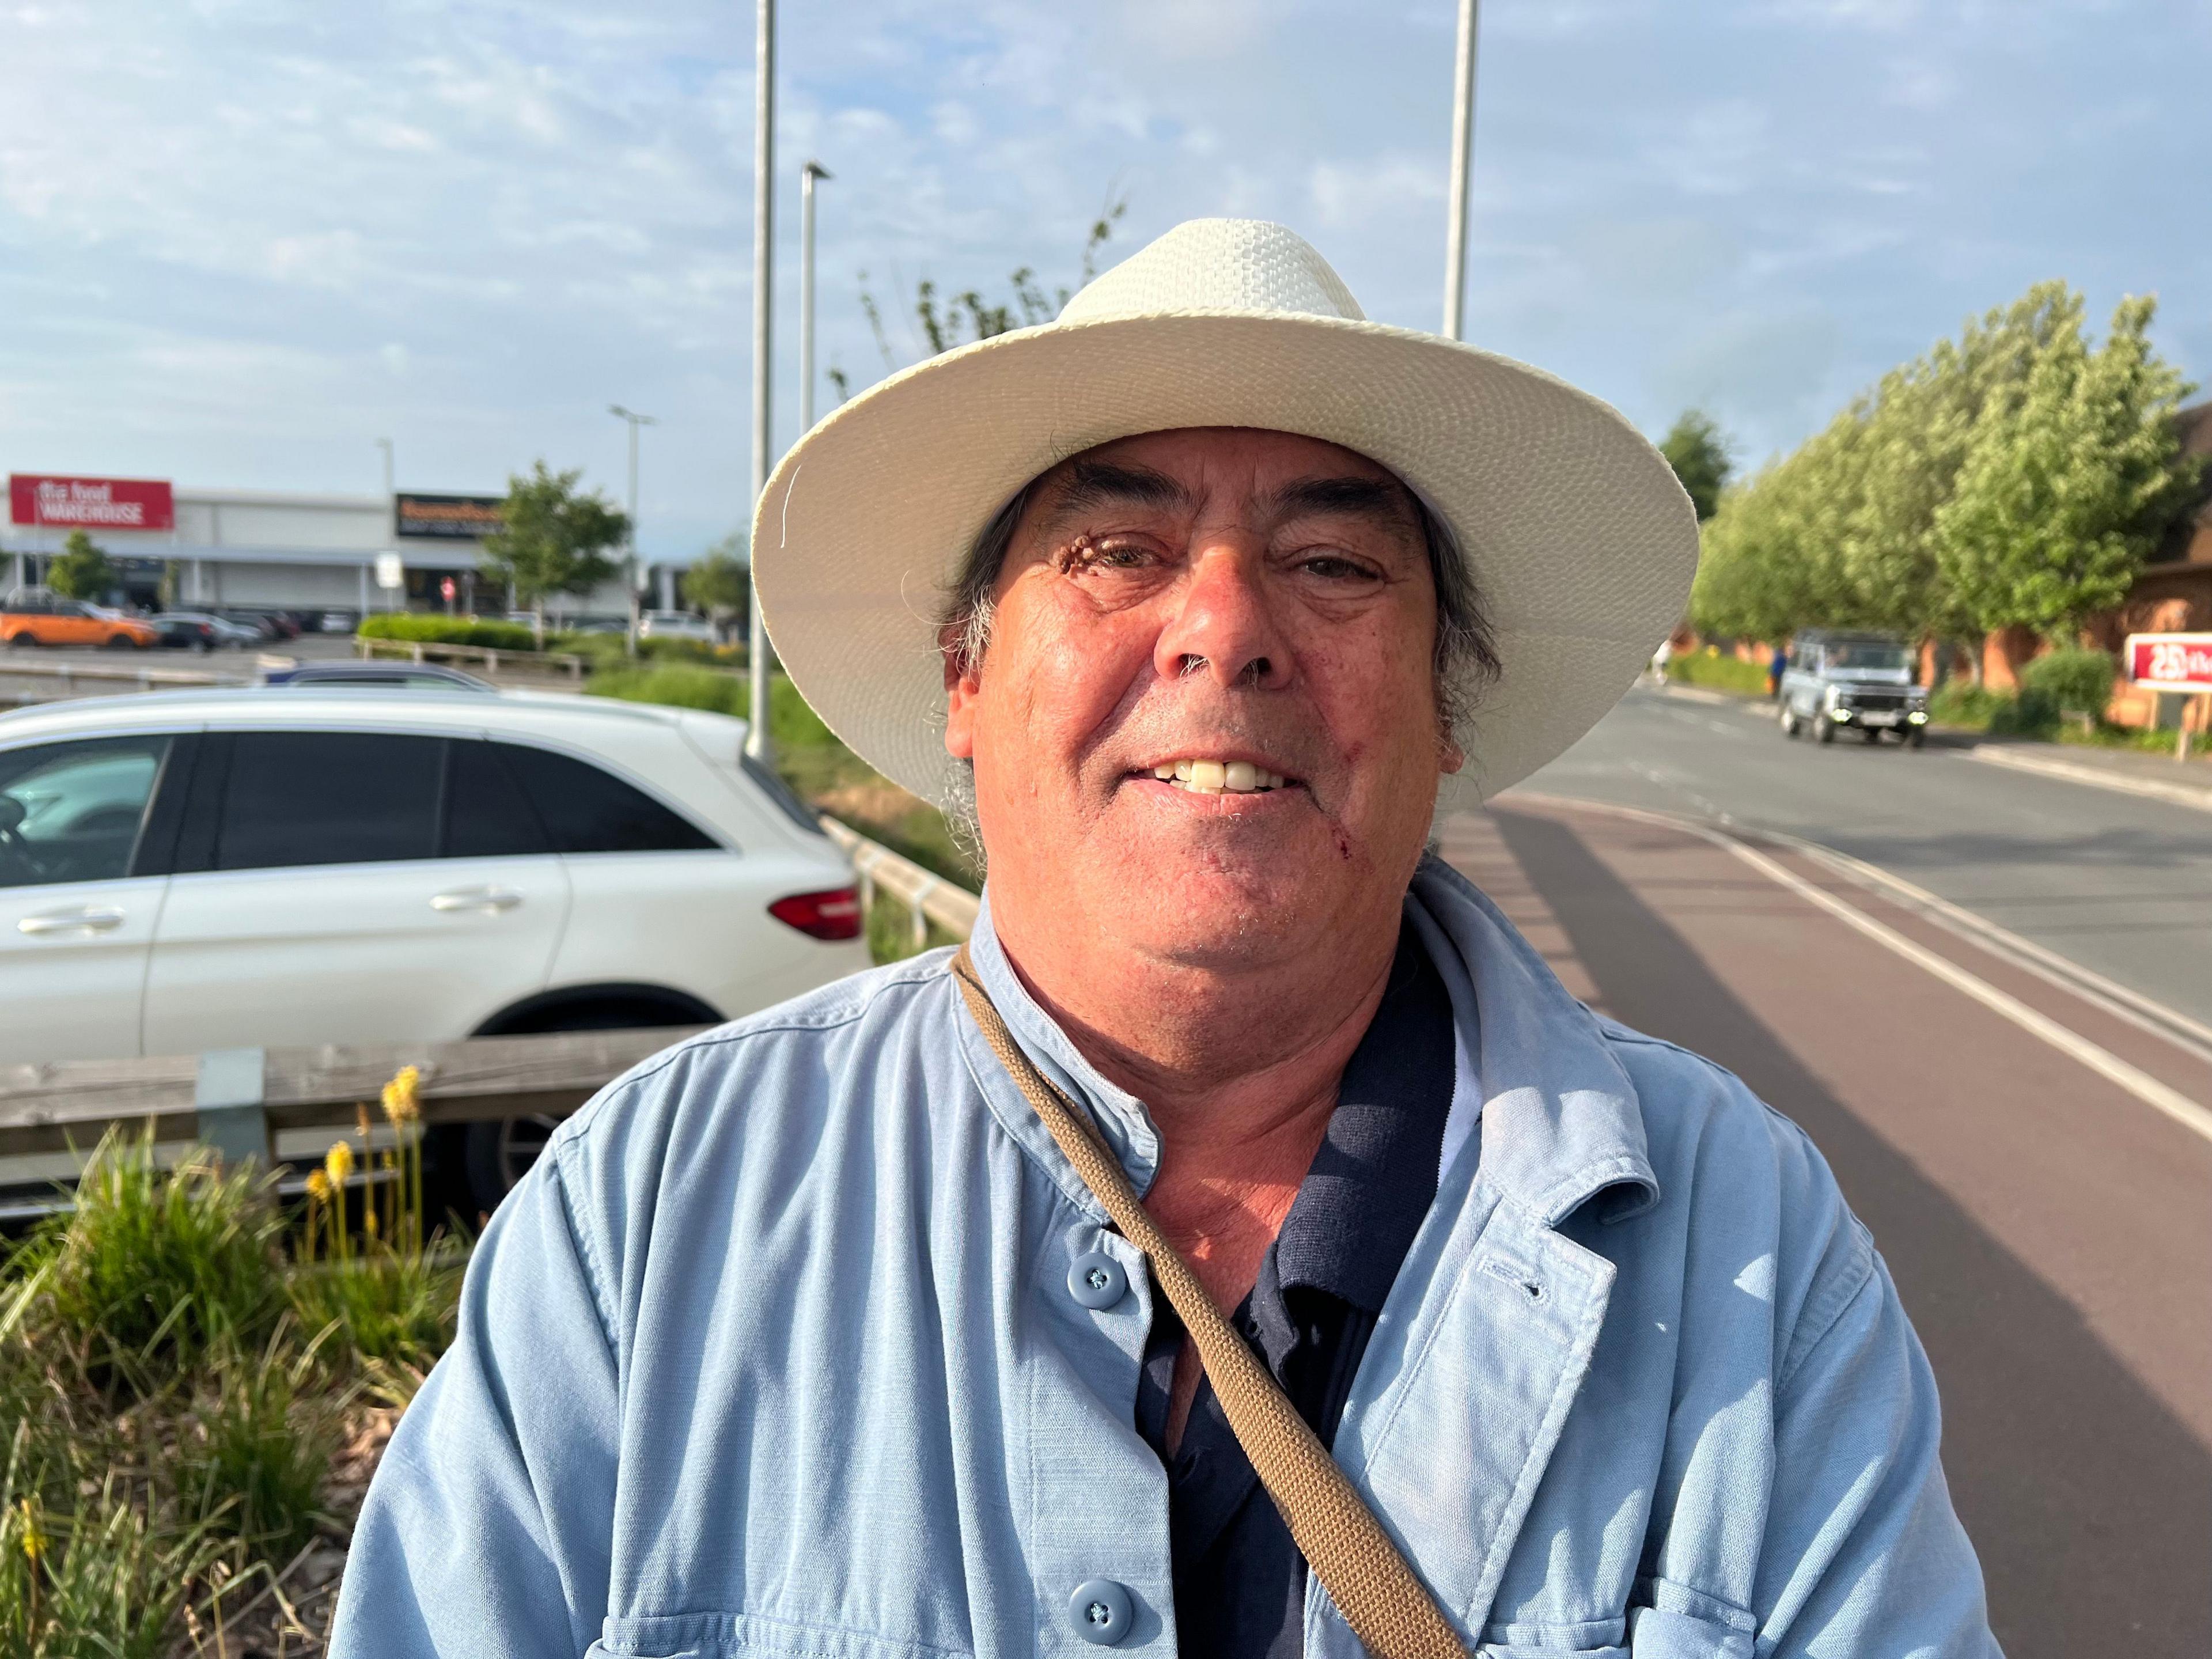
(2107, 1064)
(2180, 795)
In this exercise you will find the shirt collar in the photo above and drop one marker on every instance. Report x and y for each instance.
(1562, 1126)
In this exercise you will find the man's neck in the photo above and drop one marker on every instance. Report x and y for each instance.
(1239, 1072)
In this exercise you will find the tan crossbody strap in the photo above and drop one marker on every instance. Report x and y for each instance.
(1380, 1597)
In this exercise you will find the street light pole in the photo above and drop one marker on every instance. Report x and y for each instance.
(758, 741)
(1462, 156)
(391, 524)
(630, 564)
(807, 175)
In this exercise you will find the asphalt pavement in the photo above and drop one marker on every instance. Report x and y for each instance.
(2031, 1143)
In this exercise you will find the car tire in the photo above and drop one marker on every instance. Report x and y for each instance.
(1828, 728)
(1789, 721)
(497, 1155)
(24, 641)
(1916, 738)
(120, 642)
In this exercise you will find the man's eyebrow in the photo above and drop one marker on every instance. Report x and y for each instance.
(1374, 498)
(1098, 484)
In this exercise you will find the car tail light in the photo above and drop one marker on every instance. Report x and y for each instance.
(834, 914)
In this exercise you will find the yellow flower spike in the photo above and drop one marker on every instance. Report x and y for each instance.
(34, 1538)
(339, 1161)
(402, 1097)
(319, 1186)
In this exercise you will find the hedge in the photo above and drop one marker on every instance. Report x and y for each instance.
(448, 631)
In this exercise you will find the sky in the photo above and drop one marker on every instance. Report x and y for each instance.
(242, 240)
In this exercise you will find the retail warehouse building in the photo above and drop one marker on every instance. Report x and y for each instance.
(192, 549)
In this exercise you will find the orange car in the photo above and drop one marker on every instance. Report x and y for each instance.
(31, 616)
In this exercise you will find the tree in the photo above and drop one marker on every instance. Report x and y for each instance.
(949, 320)
(1695, 448)
(2067, 480)
(82, 570)
(552, 539)
(721, 583)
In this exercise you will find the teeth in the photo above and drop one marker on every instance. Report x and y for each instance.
(1205, 777)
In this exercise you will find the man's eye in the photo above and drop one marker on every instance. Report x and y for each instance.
(1085, 553)
(1336, 567)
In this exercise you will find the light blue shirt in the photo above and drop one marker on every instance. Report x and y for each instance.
(776, 1352)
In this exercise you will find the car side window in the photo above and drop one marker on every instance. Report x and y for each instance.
(295, 797)
(586, 809)
(487, 814)
(72, 811)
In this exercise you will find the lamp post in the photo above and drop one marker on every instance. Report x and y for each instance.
(630, 564)
(807, 175)
(758, 743)
(1463, 152)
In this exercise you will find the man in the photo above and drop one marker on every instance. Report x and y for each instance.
(810, 1336)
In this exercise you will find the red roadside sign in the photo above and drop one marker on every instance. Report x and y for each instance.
(91, 503)
(2170, 662)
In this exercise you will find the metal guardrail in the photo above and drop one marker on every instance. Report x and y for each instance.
(75, 674)
(928, 895)
(487, 656)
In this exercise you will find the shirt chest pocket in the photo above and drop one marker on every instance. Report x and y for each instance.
(729, 1635)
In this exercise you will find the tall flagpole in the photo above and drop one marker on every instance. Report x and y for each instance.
(758, 743)
(1462, 155)
(807, 175)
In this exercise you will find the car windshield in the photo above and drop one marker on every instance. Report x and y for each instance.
(1863, 657)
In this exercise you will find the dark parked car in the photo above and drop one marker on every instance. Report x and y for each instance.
(1839, 682)
(202, 630)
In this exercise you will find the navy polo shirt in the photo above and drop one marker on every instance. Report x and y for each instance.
(1239, 1579)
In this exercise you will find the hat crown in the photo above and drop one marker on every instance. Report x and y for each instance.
(1219, 265)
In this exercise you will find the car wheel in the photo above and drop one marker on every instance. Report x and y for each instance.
(1828, 728)
(120, 642)
(22, 641)
(1789, 721)
(497, 1155)
(1916, 737)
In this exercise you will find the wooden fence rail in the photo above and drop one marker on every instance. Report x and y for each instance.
(485, 657)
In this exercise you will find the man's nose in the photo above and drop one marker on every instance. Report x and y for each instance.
(1224, 625)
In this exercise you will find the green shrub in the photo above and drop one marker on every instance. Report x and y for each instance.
(391, 1306)
(448, 631)
(101, 1581)
(154, 1266)
(1722, 673)
(1963, 703)
(679, 684)
(252, 1457)
(2073, 682)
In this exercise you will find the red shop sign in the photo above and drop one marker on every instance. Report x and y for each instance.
(2171, 662)
(91, 503)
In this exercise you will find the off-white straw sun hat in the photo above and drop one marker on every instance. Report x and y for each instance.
(1581, 542)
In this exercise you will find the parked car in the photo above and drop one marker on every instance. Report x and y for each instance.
(421, 675)
(336, 622)
(245, 867)
(268, 624)
(1838, 681)
(39, 616)
(675, 625)
(202, 630)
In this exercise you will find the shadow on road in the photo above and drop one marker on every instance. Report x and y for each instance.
(2090, 1503)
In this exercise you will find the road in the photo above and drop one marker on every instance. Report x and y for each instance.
(2032, 1151)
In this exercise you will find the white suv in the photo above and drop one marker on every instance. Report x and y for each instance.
(275, 866)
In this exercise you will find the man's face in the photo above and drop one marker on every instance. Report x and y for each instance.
(1227, 608)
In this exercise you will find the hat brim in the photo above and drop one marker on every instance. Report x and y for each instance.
(1580, 540)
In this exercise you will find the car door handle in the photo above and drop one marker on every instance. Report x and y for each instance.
(494, 899)
(91, 919)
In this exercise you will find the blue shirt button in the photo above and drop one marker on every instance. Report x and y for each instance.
(1101, 1610)
(1096, 1281)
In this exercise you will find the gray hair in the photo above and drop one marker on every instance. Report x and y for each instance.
(1464, 662)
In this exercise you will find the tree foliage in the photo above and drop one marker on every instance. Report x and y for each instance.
(2066, 481)
(82, 570)
(946, 321)
(721, 583)
(2011, 475)
(553, 538)
(1698, 451)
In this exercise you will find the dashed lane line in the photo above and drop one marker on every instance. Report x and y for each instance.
(2133, 1079)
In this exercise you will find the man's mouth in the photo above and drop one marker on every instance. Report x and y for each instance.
(1213, 777)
